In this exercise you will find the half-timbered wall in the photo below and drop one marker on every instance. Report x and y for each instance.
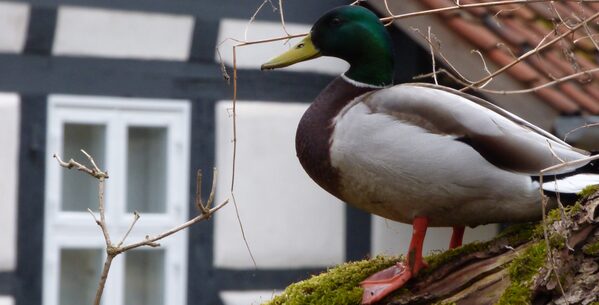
(165, 50)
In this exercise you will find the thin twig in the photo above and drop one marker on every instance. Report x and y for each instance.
(464, 6)
(80, 167)
(504, 92)
(437, 47)
(234, 140)
(135, 219)
(544, 200)
(212, 190)
(151, 241)
(586, 125)
(577, 162)
(101, 209)
(245, 32)
(432, 56)
(537, 49)
(282, 14)
(245, 241)
(482, 58)
(390, 22)
(223, 67)
(234, 161)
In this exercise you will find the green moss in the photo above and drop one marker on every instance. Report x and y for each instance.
(569, 211)
(437, 259)
(557, 241)
(515, 294)
(525, 266)
(588, 191)
(556, 215)
(522, 271)
(519, 233)
(591, 249)
(339, 285)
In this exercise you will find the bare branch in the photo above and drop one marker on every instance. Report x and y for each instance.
(213, 189)
(113, 250)
(462, 6)
(537, 49)
(282, 14)
(151, 241)
(247, 245)
(577, 162)
(432, 56)
(96, 173)
(103, 278)
(135, 219)
(245, 33)
(529, 90)
(437, 48)
(586, 125)
(94, 216)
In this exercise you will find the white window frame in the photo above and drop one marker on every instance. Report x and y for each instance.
(78, 230)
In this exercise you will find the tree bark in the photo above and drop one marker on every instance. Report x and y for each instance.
(519, 269)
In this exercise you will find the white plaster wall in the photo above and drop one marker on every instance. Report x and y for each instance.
(14, 18)
(245, 297)
(393, 238)
(7, 300)
(122, 34)
(289, 221)
(9, 141)
(254, 56)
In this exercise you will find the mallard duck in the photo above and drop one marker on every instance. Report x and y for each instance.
(418, 153)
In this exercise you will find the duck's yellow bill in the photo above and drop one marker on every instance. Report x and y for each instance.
(302, 51)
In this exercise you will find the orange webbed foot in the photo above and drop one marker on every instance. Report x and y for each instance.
(382, 283)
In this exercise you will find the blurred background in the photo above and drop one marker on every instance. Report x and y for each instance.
(138, 84)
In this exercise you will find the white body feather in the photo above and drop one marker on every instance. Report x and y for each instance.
(399, 170)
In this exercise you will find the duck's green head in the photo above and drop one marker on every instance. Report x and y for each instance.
(352, 33)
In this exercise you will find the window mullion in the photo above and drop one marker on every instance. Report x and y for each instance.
(116, 166)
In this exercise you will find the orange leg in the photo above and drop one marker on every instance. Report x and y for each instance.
(380, 284)
(456, 237)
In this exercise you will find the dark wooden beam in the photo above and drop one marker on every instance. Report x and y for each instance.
(39, 75)
(295, 11)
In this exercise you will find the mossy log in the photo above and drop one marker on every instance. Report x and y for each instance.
(527, 264)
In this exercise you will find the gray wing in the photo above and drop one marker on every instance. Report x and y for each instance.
(502, 138)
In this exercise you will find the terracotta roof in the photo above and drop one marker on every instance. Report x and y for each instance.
(503, 32)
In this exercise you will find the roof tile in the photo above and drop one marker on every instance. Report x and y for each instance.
(477, 34)
(557, 100)
(532, 38)
(582, 98)
(507, 33)
(520, 28)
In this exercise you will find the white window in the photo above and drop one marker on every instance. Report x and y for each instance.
(9, 167)
(144, 146)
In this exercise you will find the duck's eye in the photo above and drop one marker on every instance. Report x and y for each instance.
(335, 21)
(299, 46)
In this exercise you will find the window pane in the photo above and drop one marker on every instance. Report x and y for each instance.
(144, 279)
(146, 170)
(79, 275)
(80, 192)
